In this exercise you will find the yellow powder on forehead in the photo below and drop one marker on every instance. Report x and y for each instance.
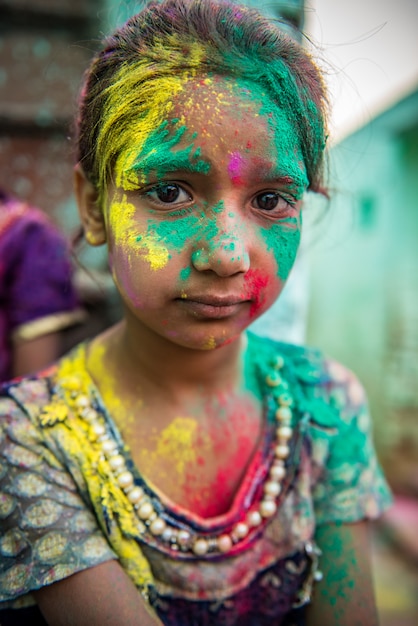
(139, 100)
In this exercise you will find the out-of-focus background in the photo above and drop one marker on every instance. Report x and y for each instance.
(355, 289)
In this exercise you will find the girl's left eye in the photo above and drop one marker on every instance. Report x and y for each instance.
(168, 193)
(269, 200)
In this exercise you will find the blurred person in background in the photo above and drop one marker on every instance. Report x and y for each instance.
(37, 298)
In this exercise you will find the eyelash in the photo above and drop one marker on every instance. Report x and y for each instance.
(288, 200)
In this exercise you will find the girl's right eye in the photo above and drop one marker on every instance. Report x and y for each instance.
(168, 193)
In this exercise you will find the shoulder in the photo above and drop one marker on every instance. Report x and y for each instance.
(29, 396)
(21, 403)
(324, 389)
(309, 366)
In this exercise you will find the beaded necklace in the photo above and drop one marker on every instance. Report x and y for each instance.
(151, 520)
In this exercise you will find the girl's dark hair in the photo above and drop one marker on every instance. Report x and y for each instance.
(183, 38)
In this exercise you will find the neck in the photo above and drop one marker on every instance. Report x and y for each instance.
(164, 365)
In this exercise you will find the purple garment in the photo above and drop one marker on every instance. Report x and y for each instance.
(35, 273)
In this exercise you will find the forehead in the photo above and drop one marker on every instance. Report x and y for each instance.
(210, 114)
(206, 101)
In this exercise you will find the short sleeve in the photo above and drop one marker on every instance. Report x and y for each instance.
(39, 271)
(47, 531)
(348, 482)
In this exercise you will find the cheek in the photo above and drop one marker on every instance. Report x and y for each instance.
(128, 278)
(282, 240)
(257, 283)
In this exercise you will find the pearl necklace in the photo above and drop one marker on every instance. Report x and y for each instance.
(148, 521)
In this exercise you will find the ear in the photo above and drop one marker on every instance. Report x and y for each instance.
(90, 212)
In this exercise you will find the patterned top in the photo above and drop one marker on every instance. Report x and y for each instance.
(63, 510)
(36, 292)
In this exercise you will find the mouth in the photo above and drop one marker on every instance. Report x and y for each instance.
(212, 306)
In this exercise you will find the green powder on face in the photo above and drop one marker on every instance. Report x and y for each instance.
(159, 154)
(219, 207)
(283, 239)
(185, 273)
(177, 234)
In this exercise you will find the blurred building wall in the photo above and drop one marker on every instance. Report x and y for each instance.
(45, 46)
(364, 277)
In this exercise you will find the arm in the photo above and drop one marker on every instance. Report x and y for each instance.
(345, 595)
(35, 354)
(99, 596)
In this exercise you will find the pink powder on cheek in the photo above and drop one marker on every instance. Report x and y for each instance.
(255, 283)
(235, 166)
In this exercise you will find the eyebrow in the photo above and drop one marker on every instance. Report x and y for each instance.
(298, 179)
(165, 161)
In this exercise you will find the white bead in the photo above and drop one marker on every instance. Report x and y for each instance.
(241, 530)
(267, 508)
(135, 495)
(277, 472)
(278, 362)
(224, 543)
(98, 429)
(157, 527)
(125, 479)
(254, 518)
(117, 462)
(108, 446)
(82, 402)
(274, 379)
(145, 510)
(89, 414)
(272, 488)
(285, 399)
(284, 414)
(282, 451)
(284, 432)
(167, 534)
(200, 547)
(183, 537)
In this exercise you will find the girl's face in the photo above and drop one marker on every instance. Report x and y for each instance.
(203, 219)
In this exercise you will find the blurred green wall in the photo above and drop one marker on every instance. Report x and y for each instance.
(363, 257)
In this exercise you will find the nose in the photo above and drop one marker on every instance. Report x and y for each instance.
(224, 248)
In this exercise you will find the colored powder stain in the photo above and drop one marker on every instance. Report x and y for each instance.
(218, 207)
(283, 239)
(121, 215)
(97, 361)
(255, 282)
(128, 123)
(192, 227)
(176, 442)
(128, 119)
(235, 166)
(210, 344)
(75, 439)
(288, 149)
(158, 155)
(185, 273)
(154, 253)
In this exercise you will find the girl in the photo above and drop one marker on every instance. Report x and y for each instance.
(176, 470)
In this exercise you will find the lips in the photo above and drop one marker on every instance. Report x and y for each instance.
(213, 306)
